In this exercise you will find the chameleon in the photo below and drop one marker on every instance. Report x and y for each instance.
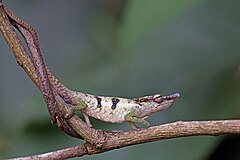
(119, 110)
(108, 109)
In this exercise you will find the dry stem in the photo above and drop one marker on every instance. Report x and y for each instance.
(155, 133)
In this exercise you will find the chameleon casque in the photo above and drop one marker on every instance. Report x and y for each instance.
(108, 109)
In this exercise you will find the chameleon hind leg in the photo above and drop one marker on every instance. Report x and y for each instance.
(87, 120)
(132, 120)
(81, 105)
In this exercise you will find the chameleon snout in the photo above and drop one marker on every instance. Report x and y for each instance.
(172, 96)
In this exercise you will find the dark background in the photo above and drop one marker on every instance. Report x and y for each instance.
(127, 48)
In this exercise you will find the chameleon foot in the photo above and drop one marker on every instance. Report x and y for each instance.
(87, 120)
(132, 120)
(133, 125)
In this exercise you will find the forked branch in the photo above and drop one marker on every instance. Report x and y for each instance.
(97, 141)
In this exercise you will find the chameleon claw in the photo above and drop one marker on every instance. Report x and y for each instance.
(87, 120)
(144, 122)
(133, 125)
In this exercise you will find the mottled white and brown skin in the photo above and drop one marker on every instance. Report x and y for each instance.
(119, 110)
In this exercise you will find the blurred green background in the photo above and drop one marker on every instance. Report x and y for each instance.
(126, 48)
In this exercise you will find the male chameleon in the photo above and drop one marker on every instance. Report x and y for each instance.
(108, 109)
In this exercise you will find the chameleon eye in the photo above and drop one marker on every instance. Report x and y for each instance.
(158, 98)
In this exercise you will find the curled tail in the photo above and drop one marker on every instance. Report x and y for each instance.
(67, 94)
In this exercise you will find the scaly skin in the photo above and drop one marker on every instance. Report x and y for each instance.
(118, 110)
(108, 109)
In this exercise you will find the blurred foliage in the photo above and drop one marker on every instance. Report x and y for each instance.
(126, 48)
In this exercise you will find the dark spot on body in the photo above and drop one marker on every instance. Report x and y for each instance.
(114, 102)
(99, 105)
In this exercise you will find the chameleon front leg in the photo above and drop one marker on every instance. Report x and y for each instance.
(132, 120)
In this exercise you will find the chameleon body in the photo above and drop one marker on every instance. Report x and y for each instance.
(108, 109)
(118, 110)
(113, 109)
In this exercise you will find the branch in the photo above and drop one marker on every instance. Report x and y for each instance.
(107, 140)
(16, 47)
(156, 133)
(58, 109)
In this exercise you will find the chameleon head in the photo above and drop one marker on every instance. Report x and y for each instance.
(164, 102)
(157, 103)
(161, 99)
